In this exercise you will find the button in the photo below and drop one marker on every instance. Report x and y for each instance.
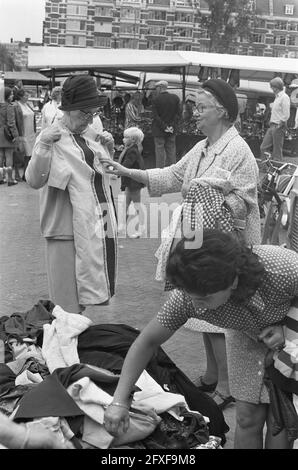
(259, 373)
(260, 363)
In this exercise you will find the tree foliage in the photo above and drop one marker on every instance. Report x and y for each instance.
(228, 20)
(6, 59)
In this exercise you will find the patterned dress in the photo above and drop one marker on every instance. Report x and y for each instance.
(244, 321)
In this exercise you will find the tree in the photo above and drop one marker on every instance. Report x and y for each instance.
(228, 20)
(6, 59)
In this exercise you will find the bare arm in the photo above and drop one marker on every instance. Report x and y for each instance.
(138, 356)
(18, 436)
(115, 168)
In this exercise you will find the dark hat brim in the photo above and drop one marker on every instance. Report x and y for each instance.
(96, 102)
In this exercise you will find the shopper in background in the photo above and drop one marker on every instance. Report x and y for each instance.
(50, 110)
(9, 138)
(29, 125)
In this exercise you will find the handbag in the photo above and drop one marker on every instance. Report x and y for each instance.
(8, 134)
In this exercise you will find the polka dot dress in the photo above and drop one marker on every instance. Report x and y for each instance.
(269, 305)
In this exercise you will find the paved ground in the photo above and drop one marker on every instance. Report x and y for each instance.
(23, 278)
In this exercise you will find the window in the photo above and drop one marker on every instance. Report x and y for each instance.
(129, 28)
(102, 27)
(54, 39)
(157, 15)
(82, 25)
(103, 11)
(156, 45)
(258, 38)
(289, 9)
(279, 40)
(157, 30)
(205, 34)
(292, 41)
(130, 13)
(184, 17)
(183, 32)
(128, 43)
(292, 26)
(76, 10)
(54, 8)
(281, 25)
(54, 24)
(102, 41)
(73, 25)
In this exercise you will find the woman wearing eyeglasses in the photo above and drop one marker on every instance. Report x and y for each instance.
(225, 162)
(76, 209)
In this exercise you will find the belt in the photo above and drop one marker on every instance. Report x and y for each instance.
(275, 124)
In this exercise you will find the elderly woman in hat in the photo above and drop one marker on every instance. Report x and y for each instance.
(76, 208)
(223, 161)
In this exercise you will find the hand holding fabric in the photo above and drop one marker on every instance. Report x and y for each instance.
(116, 419)
(51, 134)
(114, 168)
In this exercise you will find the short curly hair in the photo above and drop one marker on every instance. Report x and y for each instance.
(214, 266)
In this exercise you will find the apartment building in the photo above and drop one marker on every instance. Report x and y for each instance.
(165, 25)
(135, 24)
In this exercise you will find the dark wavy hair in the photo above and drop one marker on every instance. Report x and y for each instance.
(214, 266)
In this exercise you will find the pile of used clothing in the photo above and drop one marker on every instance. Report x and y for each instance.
(62, 371)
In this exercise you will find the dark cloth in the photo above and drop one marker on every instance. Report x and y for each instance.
(132, 158)
(7, 379)
(284, 413)
(166, 112)
(7, 119)
(30, 323)
(19, 118)
(174, 434)
(10, 400)
(48, 398)
(116, 339)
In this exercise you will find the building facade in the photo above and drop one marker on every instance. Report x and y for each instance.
(165, 25)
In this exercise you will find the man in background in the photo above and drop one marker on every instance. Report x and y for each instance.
(274, 137)
(166, 111)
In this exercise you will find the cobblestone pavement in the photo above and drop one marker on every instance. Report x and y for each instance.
(23, 278)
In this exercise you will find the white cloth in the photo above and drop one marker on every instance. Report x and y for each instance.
(27, 377)
(296, 120)
(60, 338)
(50, 112)
(29, 134)
(280, 108)
(152, 395)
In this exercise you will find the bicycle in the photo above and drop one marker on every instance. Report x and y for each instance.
(274, 200)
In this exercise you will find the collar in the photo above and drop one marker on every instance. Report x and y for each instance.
(222, 142)
(281, 92)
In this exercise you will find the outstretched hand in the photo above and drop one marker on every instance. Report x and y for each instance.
(114, 168)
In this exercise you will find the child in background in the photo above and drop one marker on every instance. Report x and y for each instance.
(131, 157)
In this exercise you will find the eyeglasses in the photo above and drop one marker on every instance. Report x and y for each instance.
(201, 108)
(88, 114)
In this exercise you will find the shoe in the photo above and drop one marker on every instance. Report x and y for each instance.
(223, 401)
(12, 183)
(18, 179)
(139, 233)
(203, 387)
(2, 181)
